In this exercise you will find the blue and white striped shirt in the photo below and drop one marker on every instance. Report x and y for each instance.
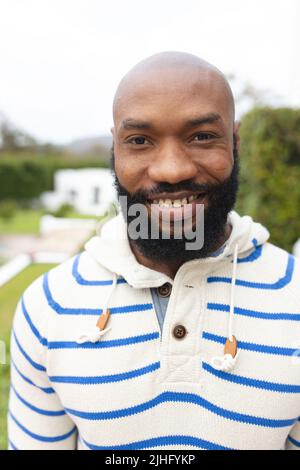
(142, 388)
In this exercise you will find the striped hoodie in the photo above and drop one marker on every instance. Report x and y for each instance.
(136, 387)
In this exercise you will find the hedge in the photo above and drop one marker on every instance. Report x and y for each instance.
(26, 178)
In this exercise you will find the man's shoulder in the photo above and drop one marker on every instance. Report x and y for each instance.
(278, 257)
(59, 274)
(285, 266)
(276, 254)
(66, 280)
(65, 289)
(79, 270)
(269, 269)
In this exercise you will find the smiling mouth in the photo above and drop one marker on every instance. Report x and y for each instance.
(175, 209)
(176, 203)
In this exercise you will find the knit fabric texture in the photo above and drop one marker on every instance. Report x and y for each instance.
(138, 387)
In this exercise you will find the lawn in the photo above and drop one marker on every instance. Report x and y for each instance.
(27, 221)
(24, 221)
(9, 295)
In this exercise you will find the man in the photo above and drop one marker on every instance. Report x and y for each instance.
(151, 339)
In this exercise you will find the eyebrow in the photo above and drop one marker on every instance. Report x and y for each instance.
(135, 124)
(210, 118)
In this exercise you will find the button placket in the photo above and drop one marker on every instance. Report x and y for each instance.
(180, 340)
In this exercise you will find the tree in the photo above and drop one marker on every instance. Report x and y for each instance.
(12, 139)
(270, 171)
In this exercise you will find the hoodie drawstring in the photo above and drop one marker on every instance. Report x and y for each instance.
(94, 334)
(227, 361)
(223, 363)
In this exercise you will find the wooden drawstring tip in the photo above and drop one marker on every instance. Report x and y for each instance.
(231, 346)
(103, 319)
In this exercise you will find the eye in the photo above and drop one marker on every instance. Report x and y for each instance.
(203, 136)
(139, 140)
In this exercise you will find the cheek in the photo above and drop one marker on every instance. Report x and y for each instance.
(130, 172)
(217, 164)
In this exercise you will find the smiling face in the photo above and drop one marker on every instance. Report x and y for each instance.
(174, 137)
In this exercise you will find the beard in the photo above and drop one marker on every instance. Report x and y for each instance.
(220, 198)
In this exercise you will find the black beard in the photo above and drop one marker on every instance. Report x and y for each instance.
(221, 200)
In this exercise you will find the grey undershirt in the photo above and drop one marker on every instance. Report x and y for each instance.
(160, 305)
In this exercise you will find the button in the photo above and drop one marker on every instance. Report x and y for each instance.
(165, 290)
(179, 331)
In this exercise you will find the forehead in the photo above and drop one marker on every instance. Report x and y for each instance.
(169, 98)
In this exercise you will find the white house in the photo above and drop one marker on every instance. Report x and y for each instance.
(89, 190)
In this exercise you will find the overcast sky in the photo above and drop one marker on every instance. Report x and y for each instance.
(61, 60)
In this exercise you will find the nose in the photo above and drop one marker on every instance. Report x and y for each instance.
(172, 165)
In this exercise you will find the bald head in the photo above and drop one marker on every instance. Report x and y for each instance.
(168, 72)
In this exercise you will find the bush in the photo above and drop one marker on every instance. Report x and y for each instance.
(63, 211)
(270, 171)
(8, 209)
(23, 179)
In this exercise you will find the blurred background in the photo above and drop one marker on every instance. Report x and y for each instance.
(60, 63)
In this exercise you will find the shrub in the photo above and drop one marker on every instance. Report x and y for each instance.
(8, 209)
(63, 211)
(270, 171)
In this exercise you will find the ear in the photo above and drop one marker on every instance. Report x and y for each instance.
(112, 130)
(236, 128)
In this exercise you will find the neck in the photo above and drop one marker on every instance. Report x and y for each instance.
(171, 268)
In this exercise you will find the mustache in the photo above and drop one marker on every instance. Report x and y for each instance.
(172, 188)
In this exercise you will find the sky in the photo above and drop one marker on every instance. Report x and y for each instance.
(61, 60)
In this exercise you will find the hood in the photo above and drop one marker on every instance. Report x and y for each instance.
(111, 249)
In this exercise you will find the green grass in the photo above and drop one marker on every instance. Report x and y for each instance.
(27, 221)
(9, 296)
(75, 215)
(24, 221)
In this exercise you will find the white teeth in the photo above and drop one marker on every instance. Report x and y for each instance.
(174, 203)
(177, 203)
(165, 203)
